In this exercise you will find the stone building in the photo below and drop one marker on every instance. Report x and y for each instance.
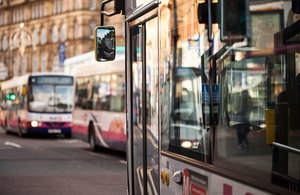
(36, 35)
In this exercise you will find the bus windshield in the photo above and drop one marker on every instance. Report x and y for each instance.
(51, 98)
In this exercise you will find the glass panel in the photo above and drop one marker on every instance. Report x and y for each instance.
(259, 96)
(137, 118)
(152, 105)
(185, 88)
(117, 93)
(49, 98)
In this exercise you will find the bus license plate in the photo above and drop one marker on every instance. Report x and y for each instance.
(54, 130)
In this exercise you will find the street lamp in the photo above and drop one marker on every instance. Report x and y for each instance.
(21, 38)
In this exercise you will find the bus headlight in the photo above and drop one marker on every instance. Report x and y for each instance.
(186, 144)
(34, 124)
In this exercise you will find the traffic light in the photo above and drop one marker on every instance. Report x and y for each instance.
(235, 19)
(11, 97)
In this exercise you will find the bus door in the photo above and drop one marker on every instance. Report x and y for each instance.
(185, 88)
(143, 71)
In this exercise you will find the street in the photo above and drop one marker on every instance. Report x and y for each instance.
(54, 165)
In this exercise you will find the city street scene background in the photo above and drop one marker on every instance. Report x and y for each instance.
(40, 36)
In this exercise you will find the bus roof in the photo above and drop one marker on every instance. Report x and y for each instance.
(22, 80)
(86, 65)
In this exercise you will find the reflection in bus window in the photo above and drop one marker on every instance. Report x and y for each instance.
(49, 98)
(257, 73)
(184, 113)
(101, 92)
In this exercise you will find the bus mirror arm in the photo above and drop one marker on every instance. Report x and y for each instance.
(119, 7)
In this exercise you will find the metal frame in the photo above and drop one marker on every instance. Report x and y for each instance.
(148, 8)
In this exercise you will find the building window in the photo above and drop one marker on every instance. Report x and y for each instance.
(54, 7)
(63, 32)
(3, 71)
(36, 9)
(55, 64)
(58, 6)
(41, 10)
(44, 10)
(43, 36)
(92, 29)
(34, 63)
(32, 12)
(76, 6)
(16, 16)
(23, 65)
(13, 16)
(24, 14)
(16, 66)
(2, 19)
(4, 43)
(15, 42)
(92, 4)
(75, 30)
(62, 7)
(43, 62)
(54, 34)
(34, 38)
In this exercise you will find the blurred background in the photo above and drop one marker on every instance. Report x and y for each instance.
(38, 35)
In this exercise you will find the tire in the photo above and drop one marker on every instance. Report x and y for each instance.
(20, 133)
(6, 127)
(68, 135)
(92, 138)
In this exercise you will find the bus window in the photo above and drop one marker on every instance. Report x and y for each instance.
(117, 93)
(50, 98)
(182, 38)
(84, 93)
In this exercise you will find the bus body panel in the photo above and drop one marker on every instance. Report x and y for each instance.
(99, 100)
(199, 181)
(109, 128)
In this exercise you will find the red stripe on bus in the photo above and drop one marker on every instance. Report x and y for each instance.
(114, 136)
(80, 129)
(105, 134)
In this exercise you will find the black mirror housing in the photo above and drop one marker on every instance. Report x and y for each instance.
(296, 6)
(105, 43)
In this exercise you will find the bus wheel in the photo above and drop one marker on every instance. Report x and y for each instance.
(20, 133)
(6, 127)
(92, 138)
(68, 135)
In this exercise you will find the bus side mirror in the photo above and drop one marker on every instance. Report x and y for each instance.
(296, 6)
(105, 43)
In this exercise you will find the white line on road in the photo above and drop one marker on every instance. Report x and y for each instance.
(94, 154)
(123, 161)
(71, 141)
(12, 144)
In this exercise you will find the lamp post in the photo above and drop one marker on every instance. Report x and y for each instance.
(20, 38)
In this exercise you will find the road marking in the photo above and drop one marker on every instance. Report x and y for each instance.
(123, 161)
(69, 141)
(12, 144)
(95, 154)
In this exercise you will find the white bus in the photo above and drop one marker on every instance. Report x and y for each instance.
(99, 111)
(37, 103)
(212, 95)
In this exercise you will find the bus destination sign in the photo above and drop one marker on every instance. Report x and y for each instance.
(56, 80)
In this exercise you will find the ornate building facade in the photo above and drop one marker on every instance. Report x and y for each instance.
(37, 35)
